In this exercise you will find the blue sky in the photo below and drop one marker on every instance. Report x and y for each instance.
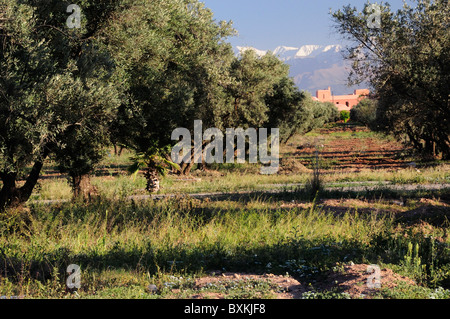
(266, 24)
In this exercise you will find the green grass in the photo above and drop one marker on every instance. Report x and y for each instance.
(124, 246)
(404, 291)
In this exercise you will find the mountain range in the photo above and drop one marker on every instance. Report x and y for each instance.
(314, 67)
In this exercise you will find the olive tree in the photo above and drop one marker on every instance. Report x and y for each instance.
(53, 87)
(172, 65)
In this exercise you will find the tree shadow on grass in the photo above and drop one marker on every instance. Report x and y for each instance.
(300, 193)
(303, 259)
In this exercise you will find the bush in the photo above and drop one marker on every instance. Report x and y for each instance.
(345, 116)
(323, 113)
(365, 112)
(332, 112)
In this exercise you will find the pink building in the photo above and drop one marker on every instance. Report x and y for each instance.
(343, 102)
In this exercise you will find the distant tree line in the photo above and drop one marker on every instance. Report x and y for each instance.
(133, 72)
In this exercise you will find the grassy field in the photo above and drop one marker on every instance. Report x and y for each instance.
(255, 243)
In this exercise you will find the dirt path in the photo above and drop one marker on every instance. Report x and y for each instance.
(282, 188)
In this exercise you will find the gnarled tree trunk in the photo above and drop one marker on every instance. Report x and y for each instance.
(82, 188)
(185, 168)
(9, 195)
(13, 196)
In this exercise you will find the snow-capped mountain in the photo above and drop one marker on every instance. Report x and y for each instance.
(285, 52)
(259, 53)
(314, 67)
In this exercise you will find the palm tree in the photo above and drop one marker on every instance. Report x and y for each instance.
(155, 162)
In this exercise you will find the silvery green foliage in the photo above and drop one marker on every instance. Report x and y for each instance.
(172, 60)
(54, 90)
(25, 67)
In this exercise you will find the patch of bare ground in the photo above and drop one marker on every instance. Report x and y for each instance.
(289, 165)
(353, 279)
(432, 212)
(283, 287)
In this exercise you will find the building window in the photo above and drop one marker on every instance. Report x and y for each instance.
(346, 103)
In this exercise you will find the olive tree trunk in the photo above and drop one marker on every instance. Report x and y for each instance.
(82, 188)
(13, 196)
